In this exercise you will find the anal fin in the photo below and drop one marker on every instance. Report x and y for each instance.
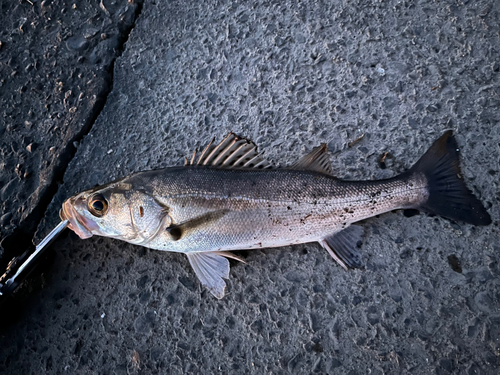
(211, 267)
(343, 246)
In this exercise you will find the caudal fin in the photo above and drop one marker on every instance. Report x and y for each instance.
(448, 195)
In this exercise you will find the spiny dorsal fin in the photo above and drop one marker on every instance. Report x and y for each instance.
(317, 160)
(232, 152)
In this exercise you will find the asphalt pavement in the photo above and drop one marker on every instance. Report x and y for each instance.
(93, 91)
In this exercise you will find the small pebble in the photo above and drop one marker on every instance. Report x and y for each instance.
(90, 33)
(77, 43)
(5, 219)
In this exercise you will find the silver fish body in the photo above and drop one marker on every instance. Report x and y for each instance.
(204, 211)
(246, 209)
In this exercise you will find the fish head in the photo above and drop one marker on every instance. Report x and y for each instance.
(117, 211)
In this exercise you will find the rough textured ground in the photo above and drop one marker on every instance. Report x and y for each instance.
(56, 61)
(289, 76)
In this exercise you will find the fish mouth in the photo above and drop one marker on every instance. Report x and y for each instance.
(77, 223)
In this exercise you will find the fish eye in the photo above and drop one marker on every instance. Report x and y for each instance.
(98, 205)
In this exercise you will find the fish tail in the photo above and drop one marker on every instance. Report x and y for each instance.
(447, 194)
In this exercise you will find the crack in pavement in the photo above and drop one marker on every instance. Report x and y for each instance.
(20, 242)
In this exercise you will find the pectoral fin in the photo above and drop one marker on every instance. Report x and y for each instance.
(178, 231)
(210, 268)
(343, 246)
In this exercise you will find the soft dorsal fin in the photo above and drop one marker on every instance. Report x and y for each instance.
(317, 160)
(232, 152)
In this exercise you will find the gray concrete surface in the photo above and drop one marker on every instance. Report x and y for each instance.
(289, 76)
(56, 62)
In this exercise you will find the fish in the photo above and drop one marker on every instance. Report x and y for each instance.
(229, 197)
